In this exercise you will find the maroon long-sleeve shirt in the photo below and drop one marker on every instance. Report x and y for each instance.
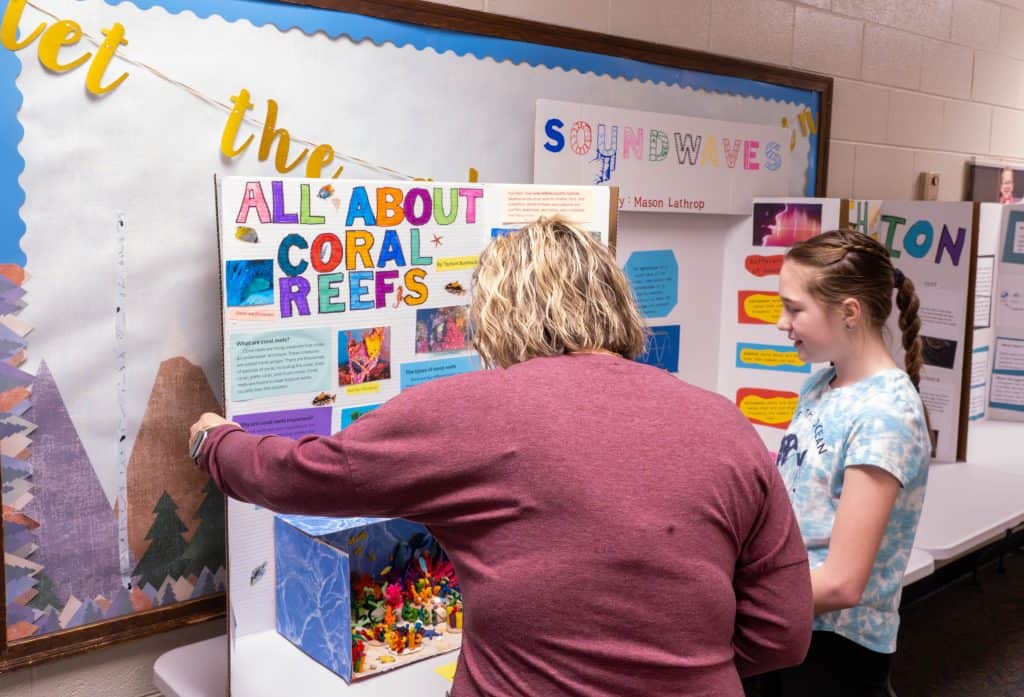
(615, 531)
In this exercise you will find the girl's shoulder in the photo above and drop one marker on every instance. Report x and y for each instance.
(817, 383)
(888, 399)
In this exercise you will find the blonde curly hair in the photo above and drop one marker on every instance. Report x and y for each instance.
(551, 288)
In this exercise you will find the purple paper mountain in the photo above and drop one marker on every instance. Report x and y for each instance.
(77, 532)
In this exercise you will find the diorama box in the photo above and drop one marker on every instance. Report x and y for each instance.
(362, 596)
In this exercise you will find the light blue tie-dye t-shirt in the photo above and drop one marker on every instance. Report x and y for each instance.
(878, 421)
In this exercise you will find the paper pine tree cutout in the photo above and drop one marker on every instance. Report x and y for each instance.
(206, 548)
(164, 556)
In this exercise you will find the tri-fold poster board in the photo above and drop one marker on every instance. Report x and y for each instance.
(336, 296)
(997, 379)
(931, 243)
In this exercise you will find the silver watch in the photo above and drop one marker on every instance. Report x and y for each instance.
(196, 445)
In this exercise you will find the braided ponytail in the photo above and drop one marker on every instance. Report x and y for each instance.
(910, 326)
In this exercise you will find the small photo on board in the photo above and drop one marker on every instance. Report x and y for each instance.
(364, 355)
(940, 353)
(250, 282)
(353, 413)
(785, 224)
(442, 329)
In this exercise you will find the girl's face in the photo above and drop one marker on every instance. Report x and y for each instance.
(817, 331)
(1006, 183)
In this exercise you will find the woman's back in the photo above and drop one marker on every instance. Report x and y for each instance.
(629, 497)
(596, 511)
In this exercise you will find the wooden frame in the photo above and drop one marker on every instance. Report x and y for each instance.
(51, 646)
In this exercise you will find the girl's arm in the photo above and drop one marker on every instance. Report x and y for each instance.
(861, 518)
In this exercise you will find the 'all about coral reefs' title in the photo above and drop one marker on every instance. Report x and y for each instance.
(374, 260)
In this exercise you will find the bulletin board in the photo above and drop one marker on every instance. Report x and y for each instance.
(108, 252)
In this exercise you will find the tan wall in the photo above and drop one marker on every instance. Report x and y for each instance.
(920, 85)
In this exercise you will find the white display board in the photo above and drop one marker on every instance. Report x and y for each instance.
(339, 294)
(1006, 389)
(759, 368)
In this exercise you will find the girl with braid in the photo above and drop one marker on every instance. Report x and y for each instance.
(854, 459)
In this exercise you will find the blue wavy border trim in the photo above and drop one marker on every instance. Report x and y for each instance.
(12, 227)
(358, 28)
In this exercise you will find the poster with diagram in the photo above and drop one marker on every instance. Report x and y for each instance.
(339, 294)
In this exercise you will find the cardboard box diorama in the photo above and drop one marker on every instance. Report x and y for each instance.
(363, 596)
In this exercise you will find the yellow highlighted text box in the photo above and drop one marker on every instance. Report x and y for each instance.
(773, 410)
(764, 307)
(456, 263)
(769, 358)
(365, 388)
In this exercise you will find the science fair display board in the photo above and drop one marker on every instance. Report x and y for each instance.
(1006, 387)
(336, 296)
(931, 242)
(934, 244)
(759, 367)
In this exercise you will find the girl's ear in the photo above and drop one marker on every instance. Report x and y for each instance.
(851, 311)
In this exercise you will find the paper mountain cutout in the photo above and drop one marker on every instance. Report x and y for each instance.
(77, 533)
(159, 461)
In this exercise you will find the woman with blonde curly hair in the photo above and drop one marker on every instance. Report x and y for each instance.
(615, 531)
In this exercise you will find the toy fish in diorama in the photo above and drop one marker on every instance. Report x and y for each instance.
(322, 399)
(246, 234)
(326, 191)
(257, 573)
(455, 288)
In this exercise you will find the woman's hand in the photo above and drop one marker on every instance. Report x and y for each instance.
(207, 420)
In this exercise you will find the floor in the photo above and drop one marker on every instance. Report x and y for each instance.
(966, 640)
